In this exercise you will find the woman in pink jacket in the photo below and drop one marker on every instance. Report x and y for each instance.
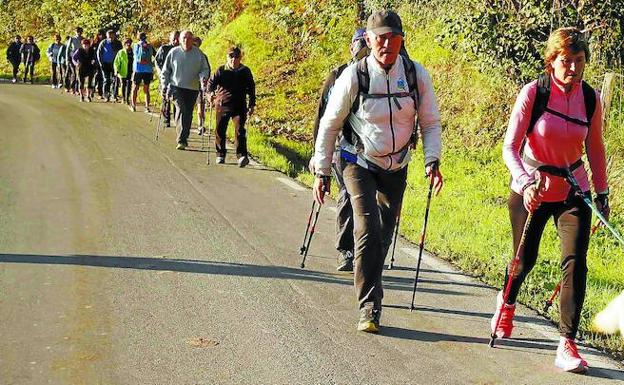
(558, 137)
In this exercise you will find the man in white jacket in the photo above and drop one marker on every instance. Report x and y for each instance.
(382, 118)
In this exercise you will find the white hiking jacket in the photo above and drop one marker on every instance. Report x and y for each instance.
(384, 125)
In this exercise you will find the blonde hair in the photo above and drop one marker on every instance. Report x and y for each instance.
(564, 40)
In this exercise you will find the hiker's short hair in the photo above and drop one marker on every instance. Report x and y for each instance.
(111, 31)
(142, 36)
(18, 37)
(128, 41)
(562, 41)
(86, 41)
(57, 36)
(234, 51)
(79, 30)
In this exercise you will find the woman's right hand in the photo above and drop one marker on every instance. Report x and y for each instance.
(531, 195)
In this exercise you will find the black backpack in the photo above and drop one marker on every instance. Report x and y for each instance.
(363, 92)
(540, 105)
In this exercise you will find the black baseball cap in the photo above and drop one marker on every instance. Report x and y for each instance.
(385, 21)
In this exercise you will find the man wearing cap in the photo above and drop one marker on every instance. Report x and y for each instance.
(375, 152)
(229, 87)
(344, 213)
(185, 71)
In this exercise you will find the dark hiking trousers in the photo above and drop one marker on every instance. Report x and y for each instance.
(72, 75)
(184, 100)
(54, 70)
(375, 198)
(107, 74)
(573, 221)
(126, 88)
(240, 134)
(15, 69)
(344, 213)
(29, 68)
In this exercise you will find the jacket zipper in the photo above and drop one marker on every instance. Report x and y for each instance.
(390, 107)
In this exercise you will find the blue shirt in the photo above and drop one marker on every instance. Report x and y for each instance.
(145, 66)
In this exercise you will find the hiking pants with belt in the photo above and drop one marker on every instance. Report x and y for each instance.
(375, 199)
(184, 100)
(573, 221)
(344, 213)
(240, 134)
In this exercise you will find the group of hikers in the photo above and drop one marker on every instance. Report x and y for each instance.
(371, 112)
(82, 66)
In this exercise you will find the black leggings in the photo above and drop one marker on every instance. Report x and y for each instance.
(573, 221)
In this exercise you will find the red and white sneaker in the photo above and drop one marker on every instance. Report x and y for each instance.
(505, 326)
(568, 358)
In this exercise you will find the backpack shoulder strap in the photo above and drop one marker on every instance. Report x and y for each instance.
(412, 79)
(590, 101)
(541, 100)
(363, 82)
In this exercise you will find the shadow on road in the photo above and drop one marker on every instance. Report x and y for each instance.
(208, 267)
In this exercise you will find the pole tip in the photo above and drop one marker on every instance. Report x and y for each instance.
(492, 339)
(302, 265)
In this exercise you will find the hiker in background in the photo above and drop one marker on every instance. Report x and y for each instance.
(123, 70)
(375, 149)
(84, 60)
(558, 137)
(30, 55)
(73, 44)
(229, 87)
(13, 56)
(185, 72)
(143, 70)
(106, 52)
(344, 213)
(62, 65)
(53, 53)
(98, 76)
(201, 99)
(161, 54)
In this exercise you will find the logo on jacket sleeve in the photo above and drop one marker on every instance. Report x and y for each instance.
(402, 85)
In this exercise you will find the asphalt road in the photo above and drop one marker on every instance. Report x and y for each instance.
(124, 261)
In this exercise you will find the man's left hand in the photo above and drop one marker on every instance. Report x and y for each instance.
(432, 171)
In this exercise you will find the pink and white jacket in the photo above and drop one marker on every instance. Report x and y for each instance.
(555, 141)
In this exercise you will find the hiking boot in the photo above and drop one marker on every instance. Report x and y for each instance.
(568, 358)
(505, 327)
(200, 130)
(220, 159)
(13, 80)
(243, 161)
(181, 146)
(82, 99)
(147, 110)
(345, 260)
(369, 319)
(132, 108)
(89, 99)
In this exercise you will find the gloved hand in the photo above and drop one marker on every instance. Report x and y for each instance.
(602, 204)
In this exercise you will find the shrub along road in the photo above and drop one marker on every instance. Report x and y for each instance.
(124, 261)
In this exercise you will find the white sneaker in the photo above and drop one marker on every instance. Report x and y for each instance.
(568, 358)
(243, 161)
(220, 159)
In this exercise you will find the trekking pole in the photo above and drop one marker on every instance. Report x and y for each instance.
(202, 107)
(302, 249)
(422, 234)
(306, 247)
(567, 174)
(396, 234)
(510, 275)
(160, 115)
(550, 301)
